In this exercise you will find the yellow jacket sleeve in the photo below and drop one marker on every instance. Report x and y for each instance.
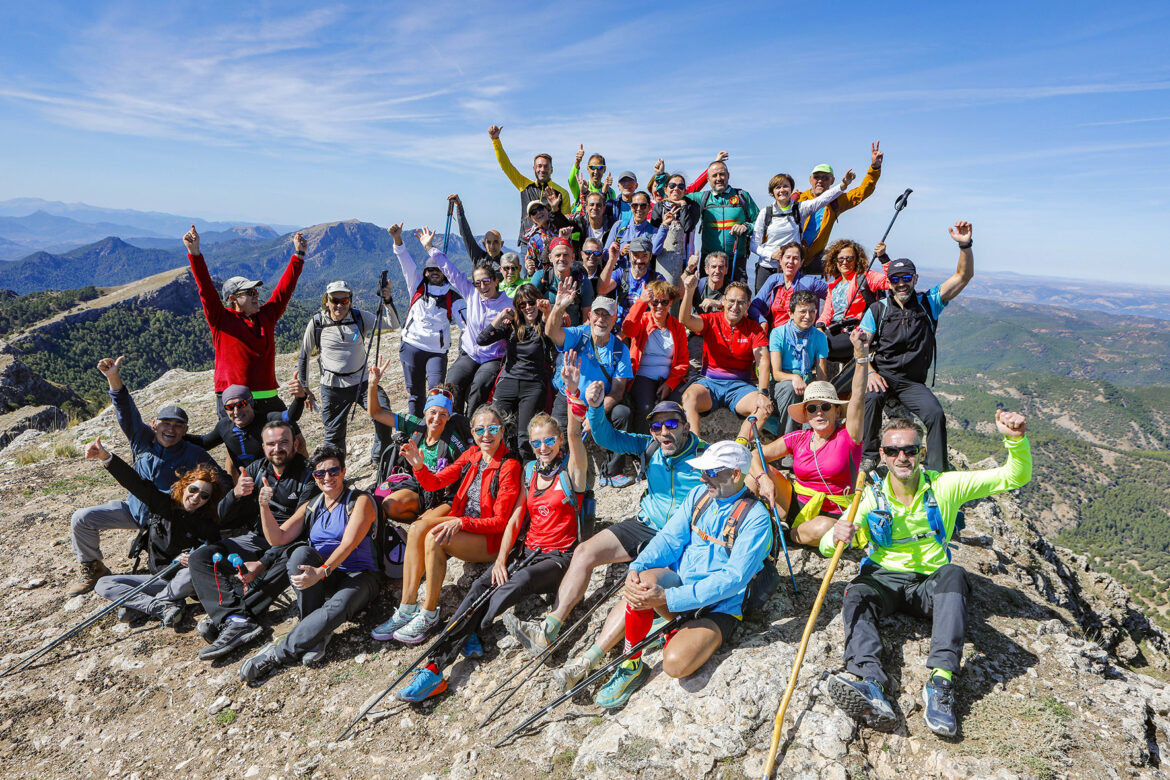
(519, 180)
(862, 191)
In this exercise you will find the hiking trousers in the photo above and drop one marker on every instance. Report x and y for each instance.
(473, 382)
(523, 399)
(921, 402)
(218, 588)
(784, 395)
(336, 403)
(876, 593)
(326, 605)
(115, 586)
(542, 574)
(422, 370)
(86, 525)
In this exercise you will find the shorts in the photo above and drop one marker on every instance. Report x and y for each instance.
(728, 625)
(633, 535)
(726, 392)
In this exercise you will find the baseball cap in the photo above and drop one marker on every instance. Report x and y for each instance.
(723, 455)
(606, 303)
(235, 393)
(641, 244)
(532, 204)
(903, 265)
(172, 412)
(338, 287)
(823, 168)
(238, 284)
(627, 175)
(666, 407)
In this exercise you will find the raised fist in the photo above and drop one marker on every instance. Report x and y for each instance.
(191, 240)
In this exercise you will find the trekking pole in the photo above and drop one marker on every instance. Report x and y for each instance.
(376, 329)
(454, 623)
(899, 203)
(778, 726)
(25, 662)
(668, 626)
(768, 506)
(543, 655)
(447, 232)
(235, 560)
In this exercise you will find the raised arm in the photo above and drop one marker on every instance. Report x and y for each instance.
(208, 296)
(282, 293)
(965, 271)
(276, 533)
(373, 405)
(474, 250)
(458, 280)
(855, 412)
(143, 489)
(605, 279)
(519, 180)
(553, 328)
(578, 459)
(869, 183)
(409, 267)
(686, 314)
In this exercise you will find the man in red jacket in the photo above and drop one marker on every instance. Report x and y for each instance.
(243, 331)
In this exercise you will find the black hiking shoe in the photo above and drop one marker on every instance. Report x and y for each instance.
(862, 701)
(315, 657)
(939, 697)
(233, 635)
(168, 613)
(207, 629)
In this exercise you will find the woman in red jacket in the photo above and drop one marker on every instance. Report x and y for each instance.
(847, 300)
(489, 485)
(658, 350)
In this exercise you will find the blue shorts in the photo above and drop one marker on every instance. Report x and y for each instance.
(726, 392)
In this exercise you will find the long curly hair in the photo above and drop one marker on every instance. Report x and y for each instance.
(197, 474)
(831, 267)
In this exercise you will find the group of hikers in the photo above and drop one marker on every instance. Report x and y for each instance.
(584, 333)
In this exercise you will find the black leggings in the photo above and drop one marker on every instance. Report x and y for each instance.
(521, 398)
(642, 396)
(473, 382)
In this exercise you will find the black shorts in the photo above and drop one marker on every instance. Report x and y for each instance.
(633, 535)
(728, 625)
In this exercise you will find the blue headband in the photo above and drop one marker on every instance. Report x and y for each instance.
(439, 400)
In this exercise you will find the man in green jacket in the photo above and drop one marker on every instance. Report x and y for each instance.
(728, 214)
(906, 523)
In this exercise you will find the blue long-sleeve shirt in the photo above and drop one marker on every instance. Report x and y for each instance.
(161, 465)
(668, 479)
(711, 574)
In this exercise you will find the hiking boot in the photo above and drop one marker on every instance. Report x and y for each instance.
(573, 672)
(129, 615)
(862, 701)
(628, 677)
(207, 629)
(88, 575)
(423, 685)
(939, 697)
(529, 633)
(234, 634)
(168, 613)
(472, 647)
(417, 629)
(316, 656)
(260, 667)
(385, 632)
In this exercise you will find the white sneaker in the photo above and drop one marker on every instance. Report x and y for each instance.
(417, 629)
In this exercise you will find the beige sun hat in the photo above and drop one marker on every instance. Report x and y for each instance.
(814, 392)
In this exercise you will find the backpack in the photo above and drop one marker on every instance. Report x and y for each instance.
(880, 522)
(585, 512)
(794, 215)
(386, 538)
(448, 297)
(766, 581)
(932, 323)
(494, 488)
(321, 321)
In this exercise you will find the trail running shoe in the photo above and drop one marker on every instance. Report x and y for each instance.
(417, 629)
(260, 666)
(862, 701)
(316, 656)
(234, 634)
(621, 481)
(423, 685)
(385, 632)
(628, 677)
(529, 633)
(207, 629)
(939, 697)
(472, 647)
(572, 672)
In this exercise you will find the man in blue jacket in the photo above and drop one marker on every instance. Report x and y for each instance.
(703, 559)
(160, 455)
(669, 479)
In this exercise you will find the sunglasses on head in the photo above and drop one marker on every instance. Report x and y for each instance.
(658, 303)
(332, 471)
(339, 301)
(491, 430)
(910, 450)
(441, 391)
(901, 278)
(547, 441)
(194, 490)
(234, 405)
(814, 408)
(669, 424)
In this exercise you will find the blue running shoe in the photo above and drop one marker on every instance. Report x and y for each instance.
(629, 677)
(939, 697)
(423, 685)
(862, 701)
(621, 481)
(472, 647)
(385, 632)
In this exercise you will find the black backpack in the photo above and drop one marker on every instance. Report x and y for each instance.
(387, 538)
(794, 215)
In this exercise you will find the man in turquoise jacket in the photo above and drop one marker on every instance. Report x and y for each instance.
(906, 524)
(669, 479)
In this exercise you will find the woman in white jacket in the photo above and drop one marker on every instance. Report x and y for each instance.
(779, 223)
(426, 332)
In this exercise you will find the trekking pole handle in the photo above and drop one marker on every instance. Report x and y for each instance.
(217, 558)
(235, 560)
(902, 200)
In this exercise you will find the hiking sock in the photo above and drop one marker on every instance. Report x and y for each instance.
(638, 622)
(430, 614)
(407, 609)
(552, 626)
(936, 672)
(433, 667)
(593, 656)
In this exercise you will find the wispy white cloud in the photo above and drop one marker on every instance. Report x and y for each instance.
(1126, 121)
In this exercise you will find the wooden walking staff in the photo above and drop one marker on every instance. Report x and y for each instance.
(778, 727)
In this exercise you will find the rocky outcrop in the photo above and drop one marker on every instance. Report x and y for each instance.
(21, 386)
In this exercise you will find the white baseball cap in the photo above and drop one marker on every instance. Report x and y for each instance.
(605, 303)
(723, 455)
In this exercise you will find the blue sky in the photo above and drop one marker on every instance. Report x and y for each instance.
(1047, 125)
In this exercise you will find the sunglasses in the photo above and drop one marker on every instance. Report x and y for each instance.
(814, 408)
(507, 268)
(592, 252)
(253, 293)
(491, 430)
(910, 450)
(433, 270)
(675, 185)
(339, 301)
(597, 167)
(483, 282)
(332, 471)
(669, 425)
(526, 304)
(639, 205)
(193, 490)
(441, 391)
(901, 278)
(235, 405)
(538, 208)
(658, 303)
(547, 441)
(713, 473)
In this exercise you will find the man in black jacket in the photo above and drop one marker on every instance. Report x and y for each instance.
(239, 429)
(231, 617)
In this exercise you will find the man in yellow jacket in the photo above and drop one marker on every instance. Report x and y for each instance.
(530, 190)
(817, 226)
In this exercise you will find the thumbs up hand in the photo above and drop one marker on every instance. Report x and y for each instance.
(266, 492)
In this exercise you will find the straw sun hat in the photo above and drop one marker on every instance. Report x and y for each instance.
(815, 392)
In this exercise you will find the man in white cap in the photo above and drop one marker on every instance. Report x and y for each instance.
(702, 560)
